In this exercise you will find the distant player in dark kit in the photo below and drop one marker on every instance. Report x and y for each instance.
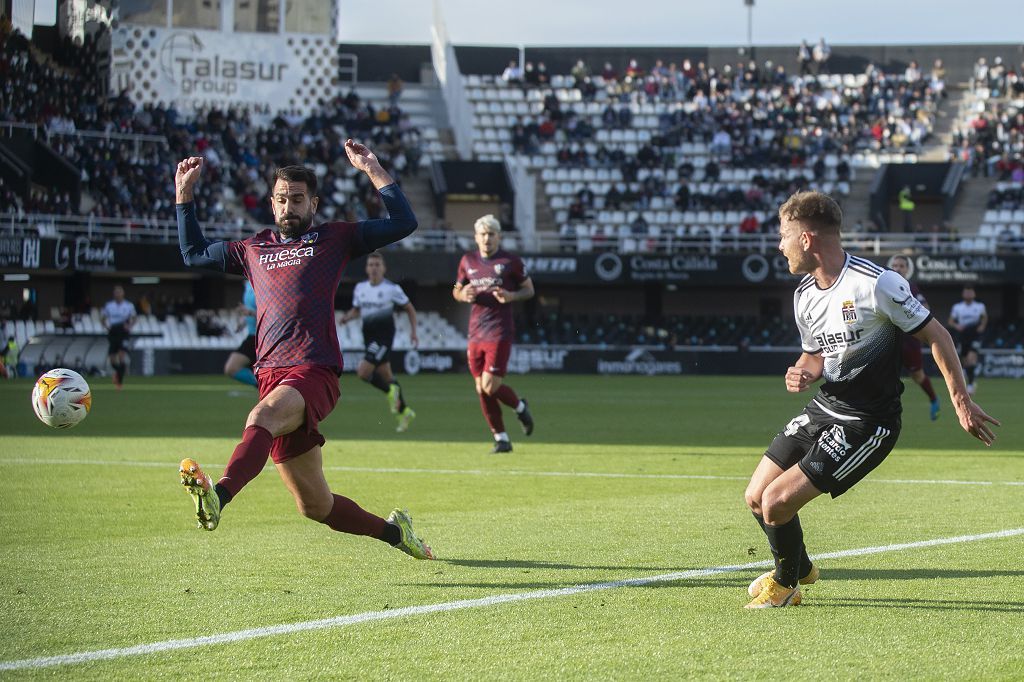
(913, 361)
(968, 318)
(850, 313)
(295, 271)
(490, 279)
(239, 364)
(118, 317)
(375, 300)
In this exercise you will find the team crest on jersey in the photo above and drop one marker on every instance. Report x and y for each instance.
(499, 268)
(309, 238)
(849, 312)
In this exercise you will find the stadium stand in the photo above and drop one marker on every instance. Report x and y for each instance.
(124, 154)
(989, 138)
(677, 331)
(689, 150)
(83, 344)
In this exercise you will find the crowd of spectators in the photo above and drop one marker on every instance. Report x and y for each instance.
(743, 116)
(749, 114)
(128, 176)
(990, 139)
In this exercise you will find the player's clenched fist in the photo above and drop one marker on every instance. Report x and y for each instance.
(798, 379)
(185, 178)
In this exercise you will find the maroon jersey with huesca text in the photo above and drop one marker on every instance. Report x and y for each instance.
(490, 320)
(295, 282)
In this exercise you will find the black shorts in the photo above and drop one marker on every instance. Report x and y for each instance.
(117, 339)
(248, 348)
(378, 351)
(833, 452)
(967, 340)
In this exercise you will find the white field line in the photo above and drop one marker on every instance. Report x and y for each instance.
(392, 614)
(504, 472)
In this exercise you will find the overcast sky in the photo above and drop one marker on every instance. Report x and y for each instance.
(685, 22)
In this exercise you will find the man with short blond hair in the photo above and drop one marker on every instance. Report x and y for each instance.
(849, 312)
(490, 279)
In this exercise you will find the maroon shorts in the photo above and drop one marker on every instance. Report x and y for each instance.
(318, 386)
(912, 359)
(489, 356)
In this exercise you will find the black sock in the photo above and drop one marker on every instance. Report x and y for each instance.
(970, 374)
(378, 382)
(392, 534)
(775, 552)
(401, 396)
(223, 494)
(789, 539)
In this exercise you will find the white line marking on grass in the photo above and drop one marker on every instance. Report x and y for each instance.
(391, 614)
(508, 472)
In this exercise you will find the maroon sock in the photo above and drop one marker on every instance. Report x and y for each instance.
(492, 412)
(506, 395)
(926, 385)
(348, 517)
(248, 459)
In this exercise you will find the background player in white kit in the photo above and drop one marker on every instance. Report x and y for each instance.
(375, 300)
(118, 318)
(849, 312)
(969, 318)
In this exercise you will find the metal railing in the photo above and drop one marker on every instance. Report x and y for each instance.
(165, 231)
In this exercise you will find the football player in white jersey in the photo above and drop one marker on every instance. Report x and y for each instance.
(375, 300)
(118, 318)
(969, 318)
(848, 311)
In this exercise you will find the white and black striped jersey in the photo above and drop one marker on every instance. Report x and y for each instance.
(854, 325)
(968, 314)
(376, 305)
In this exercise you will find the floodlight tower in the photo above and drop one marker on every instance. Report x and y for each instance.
(750, 26)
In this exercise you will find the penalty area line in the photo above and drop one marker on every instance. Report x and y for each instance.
(494, 600)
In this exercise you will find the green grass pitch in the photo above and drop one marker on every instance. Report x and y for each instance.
(100, 551)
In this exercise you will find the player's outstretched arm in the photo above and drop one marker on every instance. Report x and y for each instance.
(972, 418)
(196, 250)
(401, 221)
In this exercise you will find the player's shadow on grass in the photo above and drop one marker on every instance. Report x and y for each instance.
(927, 604)
(543, 565)
(913, 573)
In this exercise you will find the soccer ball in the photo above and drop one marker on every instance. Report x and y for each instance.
(61, 398)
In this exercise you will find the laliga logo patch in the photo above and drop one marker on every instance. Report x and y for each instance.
(309, 238)
(849, 312)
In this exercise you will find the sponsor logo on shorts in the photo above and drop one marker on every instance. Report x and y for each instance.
(833, 442)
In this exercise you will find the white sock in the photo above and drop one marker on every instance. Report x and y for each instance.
(501, 436)
(520, 407)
